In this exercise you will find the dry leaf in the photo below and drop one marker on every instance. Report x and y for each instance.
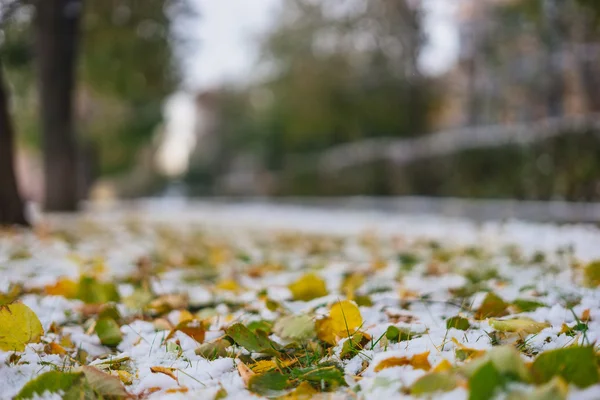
(418, 361)
(170, 372)
(245, 372)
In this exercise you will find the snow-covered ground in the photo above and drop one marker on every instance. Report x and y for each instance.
(223, 264)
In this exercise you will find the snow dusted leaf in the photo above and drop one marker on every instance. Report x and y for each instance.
(433, 382)
(50, 382)
(108, 331)
(18, 326)
(308, 287)
(519, 325)
(354, 345)
(295, 327)
(492, 306)
(345, 318)
(577, 365)
(418, 361)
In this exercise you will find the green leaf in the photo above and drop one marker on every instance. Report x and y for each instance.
(326, 373)
(484, 382)
(576, 365)
(260, 325)
(395, 334)
(295, 327)
(523, 305)
(258, 343)
(507, 362)
(492, 306)
(268, 384)
(92, 291)
(433, 382)
(458, 322)
(51, 382)
(18, 326)
(104, 384)
(109, 332)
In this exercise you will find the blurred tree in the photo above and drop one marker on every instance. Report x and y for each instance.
(11, 204)
(57, 36)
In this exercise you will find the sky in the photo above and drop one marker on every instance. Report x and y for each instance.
(227, 31)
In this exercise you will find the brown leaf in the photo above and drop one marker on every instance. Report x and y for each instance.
(245, 372)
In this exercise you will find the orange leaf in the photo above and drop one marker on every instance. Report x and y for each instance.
(418, 361)
(166, 371)
(193, 328)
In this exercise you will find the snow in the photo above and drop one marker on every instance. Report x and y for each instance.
(109, 236)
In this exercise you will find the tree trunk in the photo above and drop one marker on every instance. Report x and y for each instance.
(57, 30)
(11, 205)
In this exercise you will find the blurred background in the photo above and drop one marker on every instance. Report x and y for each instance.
(494, 99)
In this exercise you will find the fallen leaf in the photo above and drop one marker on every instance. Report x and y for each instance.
(170, 372)
(418, 361)
(295, 327)
(433, 382)
(521, 325)
(244, 372)
(577, 365)
(345, 318)
(308, 287)
(492, 306)
(63, 287)
(108, 331)
(18, 326)
(191, 327)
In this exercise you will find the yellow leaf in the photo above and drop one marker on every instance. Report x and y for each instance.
(304, 391)
(63, 287)
(345, 318)
(518, 325)
(263, 366)
(185, 315)
(170, 372)
(18, 326)
(418, 361)
(325, 330)
(229, 285)
(124, 376)
(443, 366)
(308, 287)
